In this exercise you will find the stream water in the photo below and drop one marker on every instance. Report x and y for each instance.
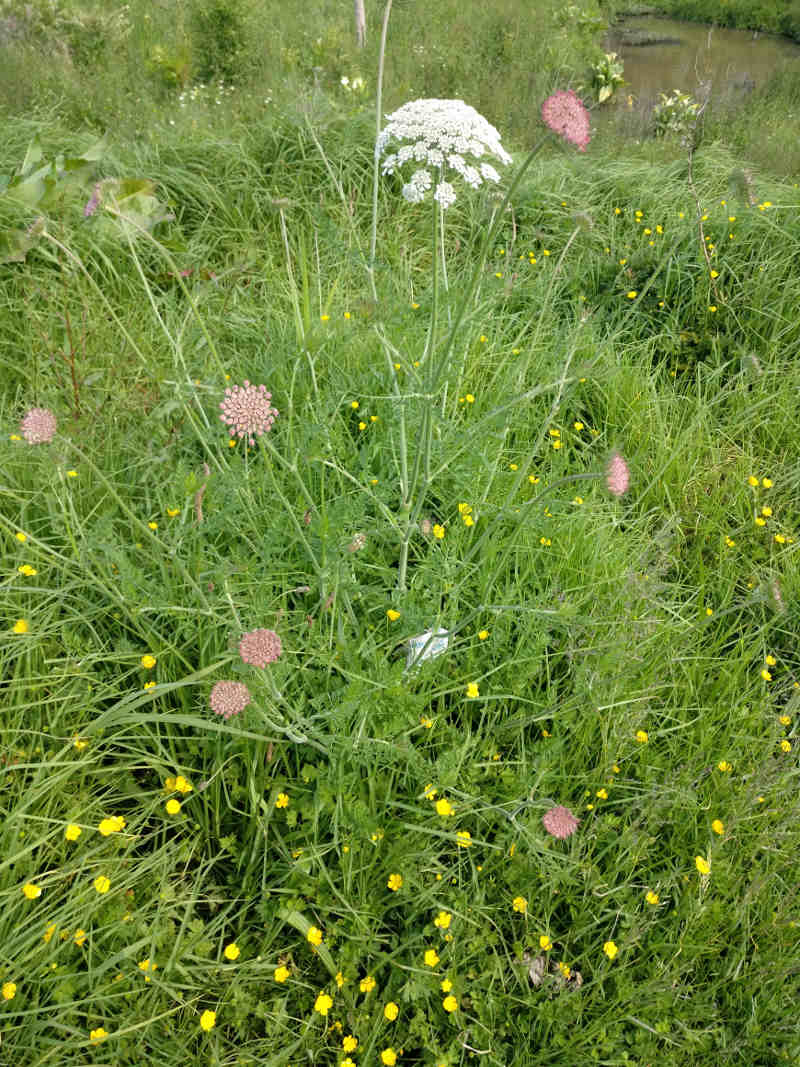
(683, 55)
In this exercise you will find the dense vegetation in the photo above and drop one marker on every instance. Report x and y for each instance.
(354, 869)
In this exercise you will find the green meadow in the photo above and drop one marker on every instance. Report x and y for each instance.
(245, 818)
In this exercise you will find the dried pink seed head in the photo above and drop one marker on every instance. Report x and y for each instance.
(565, 114)
(247, 411)
(229, 698)
(260, 647)
(618, 476)
(38, 426)
(560, 822)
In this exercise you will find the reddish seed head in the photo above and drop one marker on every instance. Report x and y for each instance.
(229, 698)
(247, 411)
(566, 115)
(38, 426)
(560, 822)
(260, 647)
(618, 476)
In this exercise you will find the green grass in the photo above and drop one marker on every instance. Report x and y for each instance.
(583, 619)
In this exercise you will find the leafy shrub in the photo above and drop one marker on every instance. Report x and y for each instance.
(607, 76)
(218, 36)
(675, 113)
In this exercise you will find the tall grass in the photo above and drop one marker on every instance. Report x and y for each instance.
(635, 659)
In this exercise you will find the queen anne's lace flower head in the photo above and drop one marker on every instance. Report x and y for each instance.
(229, 698)
(448, 136)
(566, 115)
(260, 647)
(38, 426)
(618, 476)
(560, 822)
(247, 410)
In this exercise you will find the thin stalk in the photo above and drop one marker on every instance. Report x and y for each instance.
(423, 456)
(376, 161)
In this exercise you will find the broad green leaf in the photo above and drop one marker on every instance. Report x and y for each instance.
(33, 156)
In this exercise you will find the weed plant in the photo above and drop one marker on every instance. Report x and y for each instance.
(359, 866)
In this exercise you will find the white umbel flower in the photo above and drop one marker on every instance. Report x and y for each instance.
(446, 135)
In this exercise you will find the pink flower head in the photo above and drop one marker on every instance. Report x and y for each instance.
(260, 647)
(618, 477)
(93, 202)
(560, 822)
(38, 426)
(566, 115)
(229, 698)
(247, 411)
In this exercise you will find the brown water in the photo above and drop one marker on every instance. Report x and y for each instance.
(735, 61)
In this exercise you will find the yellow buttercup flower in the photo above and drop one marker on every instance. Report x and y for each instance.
(323, 1004)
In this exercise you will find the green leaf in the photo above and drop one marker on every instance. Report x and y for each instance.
(33, 155)
(15, 245)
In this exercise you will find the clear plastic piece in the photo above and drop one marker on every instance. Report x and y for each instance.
(427, 646)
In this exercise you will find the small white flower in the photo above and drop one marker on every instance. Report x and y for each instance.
(412, 193)
(422, 179)
(445, 194)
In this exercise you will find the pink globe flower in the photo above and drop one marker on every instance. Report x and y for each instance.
(260, 647)
(566, 115)
(618, 476)
(229, 698)
(38, 426)
(560, 822)
(247, 411)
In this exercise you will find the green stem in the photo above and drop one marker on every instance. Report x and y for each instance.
(422, 460)
(376, 161)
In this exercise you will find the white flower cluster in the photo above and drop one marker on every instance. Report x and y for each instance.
(446, 135)
(357, 85)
